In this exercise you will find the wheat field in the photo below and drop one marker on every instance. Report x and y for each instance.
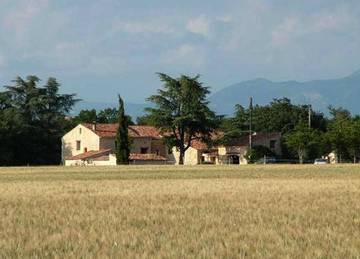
(180, 212)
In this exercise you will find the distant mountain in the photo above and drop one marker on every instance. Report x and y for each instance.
(320, 94)
(133, 109)
(343, 92)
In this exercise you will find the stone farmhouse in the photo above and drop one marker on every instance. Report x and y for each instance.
(94, 144)
(233, 153)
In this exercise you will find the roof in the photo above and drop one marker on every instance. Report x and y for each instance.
(199, 145)
(90, 154)
(106, 152)
(109, 130)
(147, 157)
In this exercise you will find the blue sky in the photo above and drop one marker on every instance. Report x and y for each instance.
(103, 47)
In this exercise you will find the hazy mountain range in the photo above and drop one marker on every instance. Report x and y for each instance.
(320, 94)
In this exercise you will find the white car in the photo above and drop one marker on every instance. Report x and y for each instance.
(321, 161)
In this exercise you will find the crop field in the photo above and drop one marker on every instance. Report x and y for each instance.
(262, 211)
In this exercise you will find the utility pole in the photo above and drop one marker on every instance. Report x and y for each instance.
(309, 116)
(250, 122)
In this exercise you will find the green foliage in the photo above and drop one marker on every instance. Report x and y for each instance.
(181, 111)
(343, 134)
(32, 122)
(300, 139)
(257, 153)
(145, 120)
(236, 126)
(107, 115)
(86, 116)
(278, 116)
(122, 137)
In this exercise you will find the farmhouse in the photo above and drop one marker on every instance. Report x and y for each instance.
(94, 144)
(232, 153)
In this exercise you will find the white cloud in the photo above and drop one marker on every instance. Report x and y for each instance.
(295, 27)
(142, 27)
(199, 25)
(184, 55)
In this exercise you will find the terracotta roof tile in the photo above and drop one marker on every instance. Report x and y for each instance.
(109, 130)
(90, 154)
(199, 145)
(106, 152)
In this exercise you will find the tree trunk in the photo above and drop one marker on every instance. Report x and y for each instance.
(301, 159)
(301, 156)
(181, 157)
(354, 159)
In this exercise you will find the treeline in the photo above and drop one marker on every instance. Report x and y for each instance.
(307, 134)
(34, 117)
(32, 121)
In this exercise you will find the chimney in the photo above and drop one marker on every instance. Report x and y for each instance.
(94, 126)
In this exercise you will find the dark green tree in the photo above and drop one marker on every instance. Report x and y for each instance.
(86, 116)
(236, 126)
(354, 140)
(33, 121)
(145, 120)
(300, 139)
(181, 112)
(339, 132)
(122, 137)
(108, 115)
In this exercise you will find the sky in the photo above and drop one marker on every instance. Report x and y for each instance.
(99, 48)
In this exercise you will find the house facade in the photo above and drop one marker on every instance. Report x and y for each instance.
(94, 144)
(232, 153)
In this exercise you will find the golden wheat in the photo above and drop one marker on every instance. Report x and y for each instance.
(168, 211)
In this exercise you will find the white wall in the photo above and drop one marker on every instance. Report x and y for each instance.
(192, 156)
(88, 138)
(110, 162)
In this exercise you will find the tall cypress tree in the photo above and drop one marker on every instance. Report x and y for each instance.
(122, 137)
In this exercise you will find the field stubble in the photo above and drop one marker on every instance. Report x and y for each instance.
(251, 211)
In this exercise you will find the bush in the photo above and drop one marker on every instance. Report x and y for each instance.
(257, 153)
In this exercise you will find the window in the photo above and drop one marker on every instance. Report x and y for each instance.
(157, 152)
(79, 130)
(144, 150)
(272, 144)
(78, 145)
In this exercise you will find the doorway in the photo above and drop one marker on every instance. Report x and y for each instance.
(234, 159)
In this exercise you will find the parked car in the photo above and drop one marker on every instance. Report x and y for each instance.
(267, 160)
(321, 161)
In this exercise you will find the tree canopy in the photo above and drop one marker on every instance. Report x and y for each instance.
(182, 113)
(33, 120)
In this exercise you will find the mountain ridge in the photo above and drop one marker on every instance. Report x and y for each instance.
(319, 93)
(343, 92)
